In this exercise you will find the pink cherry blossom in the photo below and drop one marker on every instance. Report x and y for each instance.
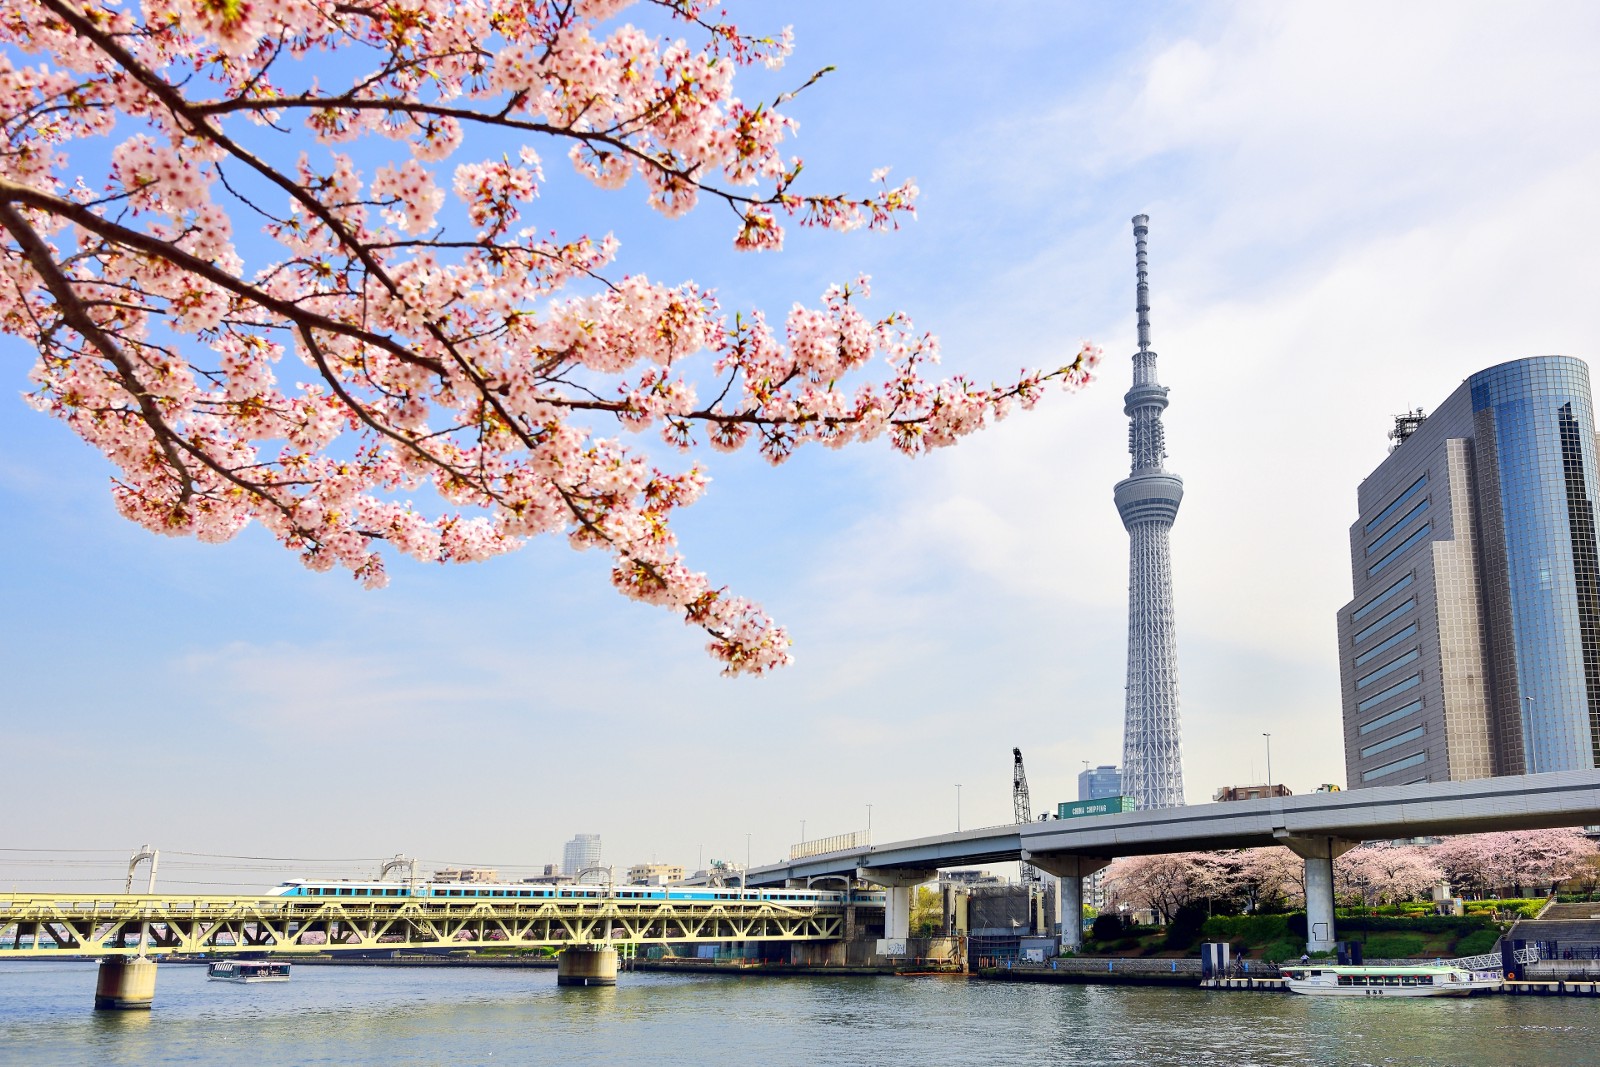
(383, 380)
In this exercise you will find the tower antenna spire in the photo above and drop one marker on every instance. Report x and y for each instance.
(1141, 258)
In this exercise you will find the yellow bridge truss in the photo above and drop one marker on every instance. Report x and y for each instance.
(33, 924)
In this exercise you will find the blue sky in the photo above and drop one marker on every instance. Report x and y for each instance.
(1353, 207)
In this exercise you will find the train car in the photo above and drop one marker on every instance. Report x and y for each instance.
(327, 890)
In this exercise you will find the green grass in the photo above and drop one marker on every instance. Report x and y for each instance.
(1476, 944)
(1393, 946)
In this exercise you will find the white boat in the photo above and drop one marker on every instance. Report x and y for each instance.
(248, 971)
(1339, 980)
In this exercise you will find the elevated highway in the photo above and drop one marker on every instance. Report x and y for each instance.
(1318, 827)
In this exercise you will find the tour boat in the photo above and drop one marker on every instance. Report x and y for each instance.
(248, 971)
(1335, 980)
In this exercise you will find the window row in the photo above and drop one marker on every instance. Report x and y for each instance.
(1385, 621)
(1387, 668)
(1398, 765)
(1372, 605)
(1394, 716)
(1399, 550)
(1390, 534)
(1416, 487)
(1393, 742)
(1385, 645)
(1394, 690)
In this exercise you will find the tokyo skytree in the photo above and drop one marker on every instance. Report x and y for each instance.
(1152, 756)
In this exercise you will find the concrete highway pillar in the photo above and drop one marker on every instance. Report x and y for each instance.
(897, 883)
(1319, 854)
(125, 984)
(1071, 869)
(587, 965)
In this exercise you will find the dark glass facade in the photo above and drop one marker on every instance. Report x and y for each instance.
(1546, 625)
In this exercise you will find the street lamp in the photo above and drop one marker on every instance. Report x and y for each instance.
(869, 818)
(744, 883)
(958, 807)
(1269, 760)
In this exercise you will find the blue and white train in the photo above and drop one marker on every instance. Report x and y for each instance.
(301, 887)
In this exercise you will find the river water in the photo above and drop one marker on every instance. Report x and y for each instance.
(393, 1016)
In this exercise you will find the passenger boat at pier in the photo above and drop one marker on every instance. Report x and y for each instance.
(1338, 980)
(248, 971)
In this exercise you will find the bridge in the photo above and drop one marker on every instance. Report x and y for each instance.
(123, 929)
(1318, 827)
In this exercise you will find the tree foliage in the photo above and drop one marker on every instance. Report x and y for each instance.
(1385, 873)
(253, 283)
(1505, 864)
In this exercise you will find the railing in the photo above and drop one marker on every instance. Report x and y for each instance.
(836, 843)
(1492, 961)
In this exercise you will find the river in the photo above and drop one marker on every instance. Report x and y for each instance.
(391, 1016)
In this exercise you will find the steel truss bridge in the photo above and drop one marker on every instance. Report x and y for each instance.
(60, 925)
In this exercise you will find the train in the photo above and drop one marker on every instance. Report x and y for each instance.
(304, 887)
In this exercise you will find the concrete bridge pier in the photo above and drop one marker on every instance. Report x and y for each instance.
(1071, 870)
(897, 884)
(1319, 854)
(586, 965)
(125, 984)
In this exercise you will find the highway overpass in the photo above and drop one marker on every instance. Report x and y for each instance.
(1319, 827)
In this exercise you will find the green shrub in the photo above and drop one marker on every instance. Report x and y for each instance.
(1279, 951)
(1107, 927)
(1477, 943)
(1186, 926)
(1252, 928)
(1392, 946)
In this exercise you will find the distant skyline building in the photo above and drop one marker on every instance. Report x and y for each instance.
(581, 852)
(1472, 644)
(1103, 781)
(1147, 500)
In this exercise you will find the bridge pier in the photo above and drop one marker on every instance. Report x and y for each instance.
(125, 984)
(587, 965)
(897, 884)
(1319, 854)
(1070, 869)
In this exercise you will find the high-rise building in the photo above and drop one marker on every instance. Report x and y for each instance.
(1103, 781)
(1152, 750)
(582, 852)
(1472, 644)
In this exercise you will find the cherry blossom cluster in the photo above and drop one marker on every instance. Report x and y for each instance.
(378, 380)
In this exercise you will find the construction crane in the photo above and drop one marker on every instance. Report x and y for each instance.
(1022, 812)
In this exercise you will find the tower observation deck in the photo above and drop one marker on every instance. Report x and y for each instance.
(1148, 499)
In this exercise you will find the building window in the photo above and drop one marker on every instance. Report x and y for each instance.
(1383, 646)
(1393, 742)
(1400, 687)
(1391, 532)
(1387, 668)
(1385, 621)
(1394, 716)
(1398, 765)
(1399, 550)
(1416, 487)
(1372, 605)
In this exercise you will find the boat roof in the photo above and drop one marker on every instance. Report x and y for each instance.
(1373, 968)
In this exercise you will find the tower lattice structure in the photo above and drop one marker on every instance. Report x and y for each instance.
(1148, 499)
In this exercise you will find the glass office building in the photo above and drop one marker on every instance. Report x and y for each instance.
(1472, 644)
